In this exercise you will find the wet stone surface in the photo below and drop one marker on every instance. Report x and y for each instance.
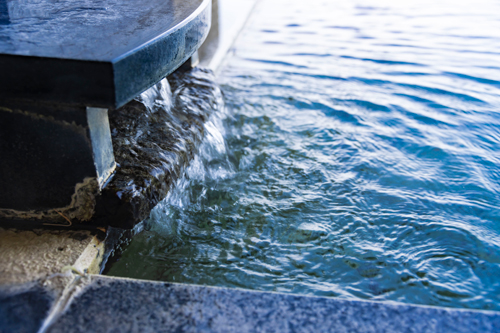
(89, 30)
(96, 53)
(154, 139)
(117, 305)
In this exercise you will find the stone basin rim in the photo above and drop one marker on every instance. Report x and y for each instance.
(110, 79)
(115, 59)
(180, 25)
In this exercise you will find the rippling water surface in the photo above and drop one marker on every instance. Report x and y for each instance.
(358, 156)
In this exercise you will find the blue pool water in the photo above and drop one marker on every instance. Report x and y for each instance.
(358, 156)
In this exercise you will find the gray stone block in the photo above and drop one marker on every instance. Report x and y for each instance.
(124, 305)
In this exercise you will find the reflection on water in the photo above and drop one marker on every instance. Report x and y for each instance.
(361, 159)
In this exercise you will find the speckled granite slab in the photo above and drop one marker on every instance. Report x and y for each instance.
(124, 305)
(95, 52)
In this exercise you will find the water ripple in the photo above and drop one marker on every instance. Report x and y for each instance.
(361, 159)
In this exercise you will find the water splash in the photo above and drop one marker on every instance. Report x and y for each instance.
(157, 97)
(210, 165)
(155, 137)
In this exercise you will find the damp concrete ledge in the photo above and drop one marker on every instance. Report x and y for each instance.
(38, 272)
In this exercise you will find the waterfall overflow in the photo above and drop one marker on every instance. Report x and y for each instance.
(155, 137)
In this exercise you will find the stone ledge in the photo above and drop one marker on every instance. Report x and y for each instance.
(126, 305)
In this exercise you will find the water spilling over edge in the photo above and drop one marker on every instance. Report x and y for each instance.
(154, 139)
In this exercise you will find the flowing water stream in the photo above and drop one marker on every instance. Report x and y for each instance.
(357, 155)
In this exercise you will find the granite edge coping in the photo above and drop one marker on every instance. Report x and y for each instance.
(86, 300)
(201, 8)
(149, 57)
(124, 304)
(305, 296)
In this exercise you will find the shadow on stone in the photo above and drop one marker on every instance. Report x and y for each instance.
(24, 310)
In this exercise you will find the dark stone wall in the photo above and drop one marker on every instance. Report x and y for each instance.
(43, 158)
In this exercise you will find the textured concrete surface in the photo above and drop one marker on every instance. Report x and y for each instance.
(125, 305)
(154, 147)
(27, 256)
(39, 272)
